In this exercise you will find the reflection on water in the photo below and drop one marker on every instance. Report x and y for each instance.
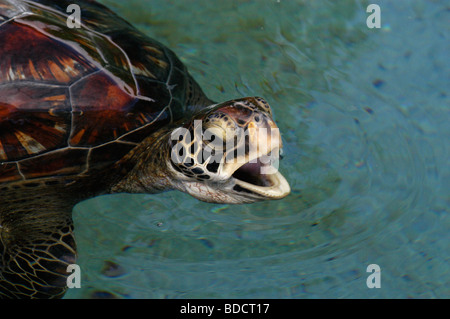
(364, 116)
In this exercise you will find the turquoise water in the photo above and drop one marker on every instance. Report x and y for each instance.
(364, 115)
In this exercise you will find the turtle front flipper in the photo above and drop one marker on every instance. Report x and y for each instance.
(36, 246)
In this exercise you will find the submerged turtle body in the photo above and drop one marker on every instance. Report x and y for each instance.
(91, 110)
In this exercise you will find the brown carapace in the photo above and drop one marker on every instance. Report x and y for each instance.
(66, 93)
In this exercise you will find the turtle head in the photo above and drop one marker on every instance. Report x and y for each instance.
(229, 154)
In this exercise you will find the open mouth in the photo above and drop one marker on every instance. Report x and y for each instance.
(261, 178)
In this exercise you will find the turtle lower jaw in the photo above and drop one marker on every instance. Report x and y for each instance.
(262, 180)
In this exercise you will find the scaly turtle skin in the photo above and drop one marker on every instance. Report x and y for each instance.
(94, 110)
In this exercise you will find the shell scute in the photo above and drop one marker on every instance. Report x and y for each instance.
(44, 60)
(99, 106)
(33, 120)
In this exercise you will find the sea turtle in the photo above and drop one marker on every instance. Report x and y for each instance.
(93, 110)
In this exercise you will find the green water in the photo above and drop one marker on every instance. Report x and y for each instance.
(364, 115)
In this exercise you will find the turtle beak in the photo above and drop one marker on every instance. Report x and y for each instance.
(262, 178)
